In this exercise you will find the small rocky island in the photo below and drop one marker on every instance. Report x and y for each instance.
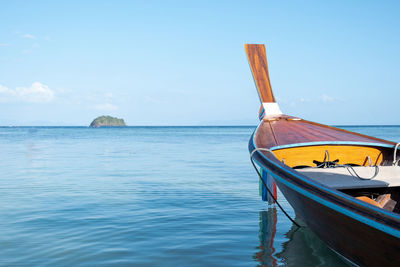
(107, 121)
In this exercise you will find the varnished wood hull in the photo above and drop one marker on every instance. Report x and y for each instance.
(365, 236)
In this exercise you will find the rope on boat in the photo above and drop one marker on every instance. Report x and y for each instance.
(326, 163)
(334, 164)
(349, 167)
(263, 182)
(323, 165)
(369, 160)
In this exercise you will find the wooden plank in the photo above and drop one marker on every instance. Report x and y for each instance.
(342, 178)
(301, 131)
(257, 57)
(264, 136)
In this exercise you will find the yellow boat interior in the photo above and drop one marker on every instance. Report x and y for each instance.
(368, 173)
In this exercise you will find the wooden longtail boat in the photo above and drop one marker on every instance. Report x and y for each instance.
(344, 186)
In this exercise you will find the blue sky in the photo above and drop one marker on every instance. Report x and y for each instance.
(183, 62)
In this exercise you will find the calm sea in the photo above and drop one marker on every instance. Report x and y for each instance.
(156, 196)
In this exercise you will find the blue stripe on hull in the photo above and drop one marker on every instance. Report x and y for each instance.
(331, 143)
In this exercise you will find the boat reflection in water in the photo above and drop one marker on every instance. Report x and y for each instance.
(303, 247)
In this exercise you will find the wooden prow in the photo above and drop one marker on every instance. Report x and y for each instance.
(257, 57)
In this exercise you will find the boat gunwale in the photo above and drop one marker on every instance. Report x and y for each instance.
(353, 205)
(334, 143)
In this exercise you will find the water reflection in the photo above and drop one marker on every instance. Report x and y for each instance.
(302, 247)
(268, 221)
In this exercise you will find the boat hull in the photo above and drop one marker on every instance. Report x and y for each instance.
(336, 221)
(357, 242)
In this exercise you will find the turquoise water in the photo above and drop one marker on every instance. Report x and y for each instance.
(165, 196)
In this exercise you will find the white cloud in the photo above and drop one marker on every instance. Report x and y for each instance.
(304, 100)
(5, 91)
(4, 45)
(327, 98)
(28, 36)
(36, 93)
(105, 107)
(281, 100)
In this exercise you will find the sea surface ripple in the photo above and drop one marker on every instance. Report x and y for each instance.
(165, 196)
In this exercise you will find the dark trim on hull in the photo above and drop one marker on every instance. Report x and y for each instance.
(360, 232)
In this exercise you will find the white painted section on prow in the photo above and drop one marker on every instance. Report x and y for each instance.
(271, 108)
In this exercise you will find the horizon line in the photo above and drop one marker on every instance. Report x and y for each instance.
(212, 125)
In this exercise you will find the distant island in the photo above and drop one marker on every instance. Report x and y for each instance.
(107, 121)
